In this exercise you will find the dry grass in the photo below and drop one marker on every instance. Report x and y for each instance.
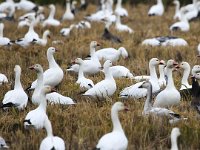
(82, 125)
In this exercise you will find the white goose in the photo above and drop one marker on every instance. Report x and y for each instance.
(122, 27)
(54, 75)
(68, 15)
(106, 87)
(66, 31)
(51, 21)
(170, 95)
(183, 25)
(91, 66)
(135, 92)
(119, 10)
(155, 111)
(116, 139)
(193, 13)
(4, 41)
(43, 40)
(120, 72)
(195, 69)
(174, 135)
(111, 54)
(53, 98)
(186, 72)
(189, 7)
(85, 84)
(51, 142)
(37, 117)
(3, 79)
(177, 14)
(157, 10)
(16, 97)
(26, 5)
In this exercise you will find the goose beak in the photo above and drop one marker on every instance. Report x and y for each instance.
(177, 66)
(101, 68)
(162, 62)
(49, 36)
(126, 108)
(98, 44)
(198, 55)
(56, 50)
(31, 67)
(175, 63)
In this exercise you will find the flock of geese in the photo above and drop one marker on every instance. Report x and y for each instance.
(166, 94)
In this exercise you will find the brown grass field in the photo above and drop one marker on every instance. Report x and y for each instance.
(82, 125)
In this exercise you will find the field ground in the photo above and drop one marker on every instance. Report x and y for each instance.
(82, 125)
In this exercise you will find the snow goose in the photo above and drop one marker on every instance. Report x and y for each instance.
(157, 10)
(169, 96)
(51, 142)
(119, 10)
(84, 5)
(53, 98)
(43, 40)
(155, 111)
(174, 135)
(116, 139)
(184, 82)
(165, 41)
(189, 7)
(4, 41)
(66, 31)
(121, 27)
(91, 66)
(120, 72)
(68, 15)
(85, 84)
(106, 87)
(54, 75)
(177, 14)
(111, 54)
(3, 79)
(3, 144)
(36, 118)
(16, 97)
(26, 5)
(5, 5)
(190, 15)
(183, 25)
(107, 35)
(134, 92)
(51, 21)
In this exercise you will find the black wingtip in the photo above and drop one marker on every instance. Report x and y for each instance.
(175, 115)
(28, 121)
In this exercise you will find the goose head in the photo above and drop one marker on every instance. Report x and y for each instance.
(176, 2)
(123, 52)
(46, 33)
(78, 61)
(197, 76)
(30, 18)
(52, 7)
(48, 89)
(184, 66)
(118, 106)
(94, 44)
(107, 64)
(171, 63)
(51, 50)
(195, 69)
(17, 68)
(146, 85)
(3, 143)
(155, 62)
(36, 67)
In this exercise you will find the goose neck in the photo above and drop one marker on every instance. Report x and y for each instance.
(186, 74)
(119, 3)
(92, 51)
(40, 79)
(31, 27)
(115, 120)
(159, 2)
(147, 105)
(177, 8)
(51, 60)
(161, 71)
(153, 73)
(43, 102)
(48, 127)
(108, 74)
(118, 20)
(174, 143)
(68, 9)
(52, 13)
(80, 72)
(170, 81)
(1, 30)
(17, 80)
